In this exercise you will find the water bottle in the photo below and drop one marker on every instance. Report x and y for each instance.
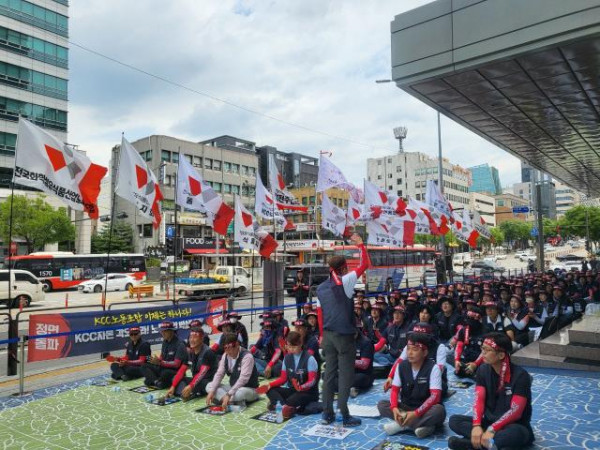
(116, 389)
(278, 413)
(149, 398)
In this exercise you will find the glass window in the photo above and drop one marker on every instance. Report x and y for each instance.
(188, 158)
(197, 161)
(165, 155)
(175, 157)
(252, 171)
(216, 186)
(227, 188)
(226, 167)
(235, 189)
(216, 165)
(312, 200)
(235, 168)
(208, 163)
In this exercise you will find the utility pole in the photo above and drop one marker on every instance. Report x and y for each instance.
(441, 186)
(540, 224)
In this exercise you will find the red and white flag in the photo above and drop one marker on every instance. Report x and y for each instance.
(284, 198)
(419, 213)
(264, 205)
(197, 195)
(45, 163)
(480, 226)
(391, 232)
(137, 184)
(333, 218)
(355, 212)
(249, 234)
(439, 207)
(331, 176)
(379, 202)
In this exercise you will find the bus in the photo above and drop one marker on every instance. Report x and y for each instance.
(63, 270)
(391, 263)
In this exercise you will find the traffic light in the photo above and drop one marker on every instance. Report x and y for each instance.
(169, 245)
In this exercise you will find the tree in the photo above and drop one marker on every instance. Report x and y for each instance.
(516, 231)
(120, 242)
(34, 221)
(574, 222)
(497, 236)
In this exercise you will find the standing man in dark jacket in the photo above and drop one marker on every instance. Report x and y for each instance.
(336, 310)
(300, 289)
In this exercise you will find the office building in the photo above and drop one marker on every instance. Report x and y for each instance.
(485, 205)
(407, 174)
(229, 170)
(485, 178)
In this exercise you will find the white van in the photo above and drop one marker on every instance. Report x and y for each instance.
(25, 287)
(462, 259)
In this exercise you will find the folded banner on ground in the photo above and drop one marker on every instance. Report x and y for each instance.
(90, 341)
(45, 163)
(137, 184)
(195, 194)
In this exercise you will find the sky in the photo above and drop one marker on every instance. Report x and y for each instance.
(306, 69)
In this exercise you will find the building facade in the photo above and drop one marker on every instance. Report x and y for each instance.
(296, 169)
(485, 178)
(230, 171)
(526, 191)
(407, 174)
(485, 205)
(504, 206)
(566, 198)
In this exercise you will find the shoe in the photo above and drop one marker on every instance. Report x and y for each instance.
(423, 432)
(350, 421)
(393, 428)
(353, 392)
(327, 419)
(288, 411)
(159, 385)
(126, 378)
(458, 443)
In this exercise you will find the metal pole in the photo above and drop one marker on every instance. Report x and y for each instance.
(22, 367)
(441, 186)
(540, 223)
(588, 245)
(176, 238)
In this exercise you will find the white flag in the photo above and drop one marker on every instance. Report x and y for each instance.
(439, 207)
(391, 232)
(45, 163)
(284, 198)
(137, 184)
(379, 202)
(355, 212)
(249, 234)
(480, 226)
(331, 176)
(332, 217)
(197, 195)
(264, 205)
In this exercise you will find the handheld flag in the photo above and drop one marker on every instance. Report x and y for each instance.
(249, 234)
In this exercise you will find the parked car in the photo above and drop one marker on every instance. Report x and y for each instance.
(487, 266)
(567, 266)
(570, 257)
(500, 257)
(115, 282)
(25, 288)
(491, 259)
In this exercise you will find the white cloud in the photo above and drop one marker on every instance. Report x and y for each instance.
(312, 63)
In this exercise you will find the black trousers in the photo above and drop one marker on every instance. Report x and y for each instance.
(131, 371)
(198, 391)
(511, 436)
(340, 352)
(153, 373)
(291, 397)
(361, 381)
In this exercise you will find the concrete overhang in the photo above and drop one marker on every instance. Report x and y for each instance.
(525, 75)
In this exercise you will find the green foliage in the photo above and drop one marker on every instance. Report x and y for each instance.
(516, 231)
(152, 262)
(574, 222)
(120, 242)
(35, 221)
(497, 235)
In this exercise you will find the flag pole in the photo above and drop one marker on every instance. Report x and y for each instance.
(176, 238)
(275, 236)
(112, 220)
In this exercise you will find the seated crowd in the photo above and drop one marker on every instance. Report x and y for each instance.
(411, 338)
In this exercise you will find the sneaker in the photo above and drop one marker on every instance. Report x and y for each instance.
(353, 392)
(393, 428)
(327, 419)
(458, 443)
(126, 378)
(423, 432)
(350, 421)
(288, 411)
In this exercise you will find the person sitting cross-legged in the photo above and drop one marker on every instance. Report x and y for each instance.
(298, 384)
(502, 407)
(415, 400)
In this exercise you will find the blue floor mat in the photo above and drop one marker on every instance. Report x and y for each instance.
(566, 415)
